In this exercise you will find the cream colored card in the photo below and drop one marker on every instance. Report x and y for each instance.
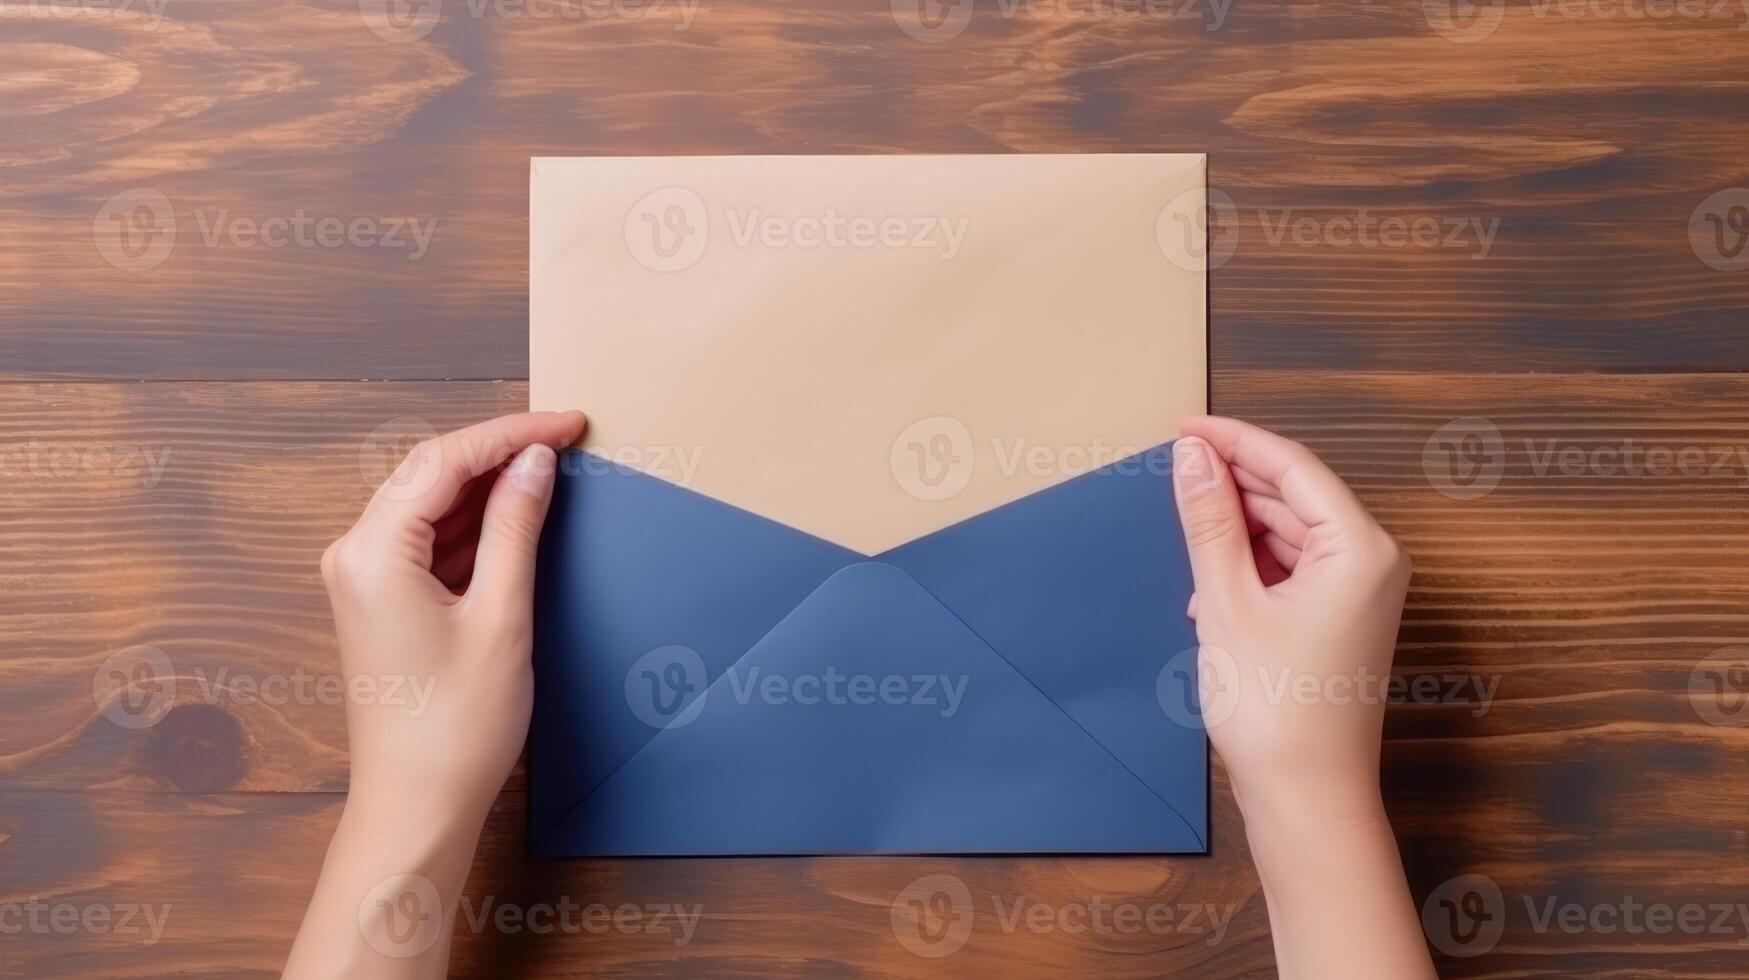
(869, 348)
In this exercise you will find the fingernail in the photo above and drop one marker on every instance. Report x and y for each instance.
(532, 471)
(1193, 468)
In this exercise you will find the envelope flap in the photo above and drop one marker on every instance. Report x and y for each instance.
(871, 713)
(868, 348)
(1082, 588)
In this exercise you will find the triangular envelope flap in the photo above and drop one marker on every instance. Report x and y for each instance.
(633, 567)
(871, 719)
(1083, 588)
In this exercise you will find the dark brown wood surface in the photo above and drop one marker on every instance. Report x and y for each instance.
(177, 444)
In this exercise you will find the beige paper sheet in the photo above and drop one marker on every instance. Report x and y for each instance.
(869, 348)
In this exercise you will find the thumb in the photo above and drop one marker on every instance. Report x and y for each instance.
(510, 529)
(1214, 526)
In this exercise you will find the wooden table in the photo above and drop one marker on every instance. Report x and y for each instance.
(184, 429)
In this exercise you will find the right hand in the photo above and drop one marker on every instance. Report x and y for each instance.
(1299, 593)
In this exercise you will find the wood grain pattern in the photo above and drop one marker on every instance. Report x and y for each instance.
(1581, 603)
(1590, 140)
(753, 918)
(1569, 147)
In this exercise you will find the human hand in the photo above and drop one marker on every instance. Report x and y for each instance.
(433, 601)
(1299, 593)
(1298, 597)
(432, 592)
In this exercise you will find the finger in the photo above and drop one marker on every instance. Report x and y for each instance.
(1271, 514)
(1314, 493)
(1190, 610)
(429, 480)
(510, 533)
(1269, 569)
(1214, 526)
(458, 535)
(1284, 553)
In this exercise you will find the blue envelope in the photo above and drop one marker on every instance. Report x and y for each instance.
(997, 686)
(870, 545)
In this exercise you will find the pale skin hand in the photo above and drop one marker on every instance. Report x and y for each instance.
(1296, 583)
(432, 592)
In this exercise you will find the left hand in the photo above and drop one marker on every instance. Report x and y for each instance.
(432, 592)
